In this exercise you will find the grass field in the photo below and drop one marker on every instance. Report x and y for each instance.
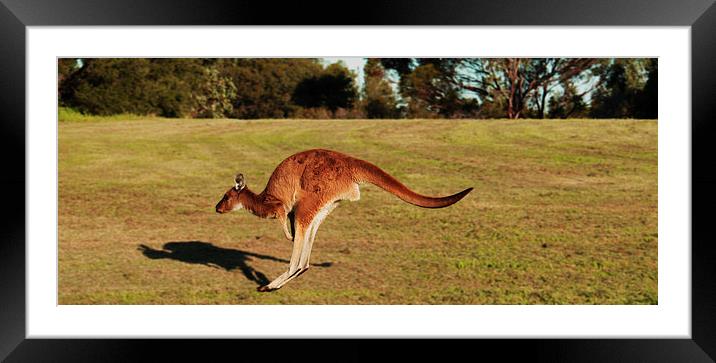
(563, 212)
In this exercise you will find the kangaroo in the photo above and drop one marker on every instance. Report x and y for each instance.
(305, 188)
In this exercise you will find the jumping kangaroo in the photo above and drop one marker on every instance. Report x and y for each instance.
(307, 186)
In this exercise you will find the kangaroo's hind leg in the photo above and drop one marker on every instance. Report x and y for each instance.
(317, 220)
(304, 216)
(298, 242)
(310, 235)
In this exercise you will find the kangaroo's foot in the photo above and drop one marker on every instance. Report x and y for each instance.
(265, 288)
(298, 273)
(269, 288)
(275, 284)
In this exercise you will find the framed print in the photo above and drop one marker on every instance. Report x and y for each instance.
(129, 121)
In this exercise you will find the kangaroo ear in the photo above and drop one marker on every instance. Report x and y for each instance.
(240, 183)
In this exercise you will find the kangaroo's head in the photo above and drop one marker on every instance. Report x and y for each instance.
(231, 199)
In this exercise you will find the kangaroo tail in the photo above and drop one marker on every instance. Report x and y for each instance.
(367, 172)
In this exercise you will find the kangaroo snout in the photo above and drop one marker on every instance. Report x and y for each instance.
(220, 208)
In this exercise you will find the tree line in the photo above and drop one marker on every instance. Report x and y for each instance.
(251, 88)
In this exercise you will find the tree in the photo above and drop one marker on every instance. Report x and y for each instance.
(423, 91)
(215, 96)
(106, 86)
(401, 66)
(171, 85)
(378, 98)
(333, 89)
(65, 68)
(431, 88)
(568, 103)
(627, 88)
(265, 86)
(160, 86)
(514, 82)
(648, 98)
(614, 98)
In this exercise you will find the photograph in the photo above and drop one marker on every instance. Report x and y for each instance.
(357, 181)
(515, 177)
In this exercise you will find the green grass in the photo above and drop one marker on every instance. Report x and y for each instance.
(67, 114)
(563, 212)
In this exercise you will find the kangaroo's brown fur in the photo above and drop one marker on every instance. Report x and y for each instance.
(305, 187)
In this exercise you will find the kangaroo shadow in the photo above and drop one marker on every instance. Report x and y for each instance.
(205, 253)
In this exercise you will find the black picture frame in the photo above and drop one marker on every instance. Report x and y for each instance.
(16, 15)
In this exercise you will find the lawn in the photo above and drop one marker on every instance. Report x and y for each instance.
(563, 212)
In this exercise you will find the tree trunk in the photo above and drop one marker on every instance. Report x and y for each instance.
(542, 105)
